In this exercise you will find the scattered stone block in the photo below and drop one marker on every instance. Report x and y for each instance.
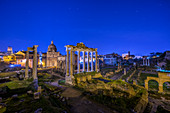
(29, 92)
(15, 96)
(36, 95)
(0, 99)
(39, 89)
(39, 110)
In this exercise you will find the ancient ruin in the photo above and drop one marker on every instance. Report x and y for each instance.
(80, 47)
(34, 74)
(161, 79)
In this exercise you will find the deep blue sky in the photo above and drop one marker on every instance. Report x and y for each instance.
(139, 26)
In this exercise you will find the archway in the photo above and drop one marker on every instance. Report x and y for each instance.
(153, 85)
(166, 86)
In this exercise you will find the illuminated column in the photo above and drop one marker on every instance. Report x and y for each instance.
(87, 61)
(92, 61)
(78, 62)
(71, 62)
(67, 62)
(96, 62)
(27, 64)
(84, 66)
(35, 62)
(148, 62)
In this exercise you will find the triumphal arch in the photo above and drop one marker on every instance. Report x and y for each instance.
(161, 79)
(83, 53)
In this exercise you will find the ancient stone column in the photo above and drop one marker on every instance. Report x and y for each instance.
(27, 64)
(67, 62)
(124, 71)
(96, 62)
(71, 62)
(35, 62)
(87, 61)
(78, 62)
(84, 66)
(143, 62)
(73, 59)
(148, 62)
(92, 61)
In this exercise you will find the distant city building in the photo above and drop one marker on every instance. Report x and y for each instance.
(111, 59)
(9, 50)
(128, 56)
(1, 55)
(163, 59)
(146, 61)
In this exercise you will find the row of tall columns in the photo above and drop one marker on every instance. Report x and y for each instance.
(70, 59)
(146, 62)
(88, 57)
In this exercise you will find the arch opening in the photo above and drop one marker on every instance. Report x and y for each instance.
(153, 85)
(166, 86)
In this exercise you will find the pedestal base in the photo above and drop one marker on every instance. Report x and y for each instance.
(69, 80)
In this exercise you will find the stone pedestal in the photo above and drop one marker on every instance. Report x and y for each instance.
(69, 80)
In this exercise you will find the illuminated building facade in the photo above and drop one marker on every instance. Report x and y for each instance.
(52, 55)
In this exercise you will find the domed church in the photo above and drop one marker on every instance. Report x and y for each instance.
(52, 55)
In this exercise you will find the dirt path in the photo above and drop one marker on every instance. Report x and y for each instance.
(117, 76)
(81, 104)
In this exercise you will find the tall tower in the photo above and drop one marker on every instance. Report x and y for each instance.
(9, 50)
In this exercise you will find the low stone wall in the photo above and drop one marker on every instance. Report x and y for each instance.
(87, 77)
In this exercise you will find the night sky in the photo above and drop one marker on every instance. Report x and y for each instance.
(139, 26)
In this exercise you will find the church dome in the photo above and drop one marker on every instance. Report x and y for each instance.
(52, 47)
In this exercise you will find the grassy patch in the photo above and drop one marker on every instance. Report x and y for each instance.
(16, 84)
(7, 74)
(85, 73)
